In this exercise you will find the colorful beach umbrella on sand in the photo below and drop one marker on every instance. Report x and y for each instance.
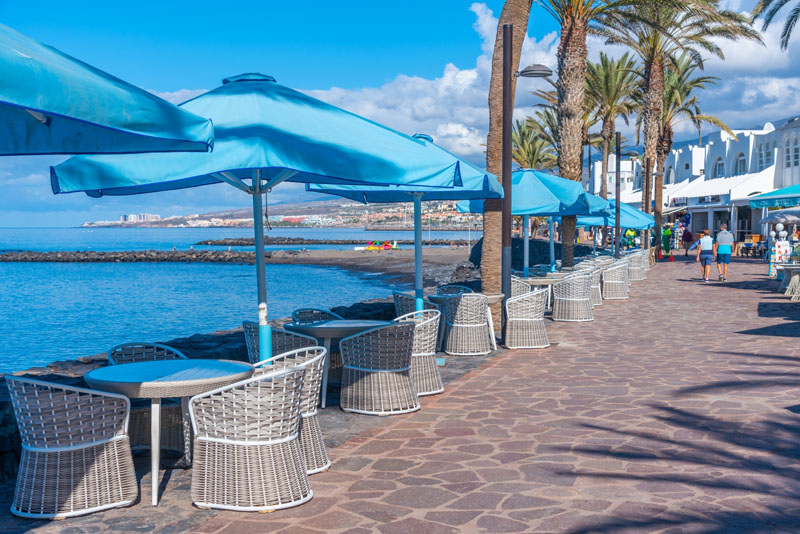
(475, 184)
(267, 133)
(52, 103)
(535, 193)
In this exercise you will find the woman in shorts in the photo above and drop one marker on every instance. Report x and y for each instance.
(705, 254)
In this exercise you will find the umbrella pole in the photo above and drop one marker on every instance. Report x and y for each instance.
(526, 245)
(594, 242)
(552, 245)
(264, 330)
(419, 305)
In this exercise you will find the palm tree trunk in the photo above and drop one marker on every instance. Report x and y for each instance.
(653, 108)
(514, 12)
(571, 87)
(608, 133)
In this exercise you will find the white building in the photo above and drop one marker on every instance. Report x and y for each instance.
(714, 180)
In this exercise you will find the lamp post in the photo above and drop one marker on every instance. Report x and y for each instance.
(532, 71)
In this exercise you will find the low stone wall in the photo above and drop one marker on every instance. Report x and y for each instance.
(223, 344)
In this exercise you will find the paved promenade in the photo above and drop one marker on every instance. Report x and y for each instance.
(677, 411)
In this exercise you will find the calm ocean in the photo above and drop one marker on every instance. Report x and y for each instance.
(57, 311)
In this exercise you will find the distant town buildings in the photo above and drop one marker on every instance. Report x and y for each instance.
(139, 217)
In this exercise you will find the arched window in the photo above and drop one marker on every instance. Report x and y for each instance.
(670, 176)
(796, 149)
(719, 168)
(740, 166)
(760, 157)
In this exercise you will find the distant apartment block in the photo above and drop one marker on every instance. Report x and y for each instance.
(139, 217)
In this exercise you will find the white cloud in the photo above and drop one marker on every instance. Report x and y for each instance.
(180, 96)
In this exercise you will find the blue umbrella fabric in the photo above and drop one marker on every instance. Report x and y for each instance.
(629, 217)
(475, 184)
(781, 198)
(267, 133)
(540, 194)
(52, 103)
(283, 133)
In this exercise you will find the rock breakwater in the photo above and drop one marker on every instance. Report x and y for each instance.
(300, 241)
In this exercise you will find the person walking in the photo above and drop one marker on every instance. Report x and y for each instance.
(705, 254)
(687, 239)
(723, 248)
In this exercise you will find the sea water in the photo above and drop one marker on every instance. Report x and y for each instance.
(58, 311)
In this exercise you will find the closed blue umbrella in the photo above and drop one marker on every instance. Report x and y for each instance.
(539, 194)
(267, 133)
(52, 103)
(475, 184)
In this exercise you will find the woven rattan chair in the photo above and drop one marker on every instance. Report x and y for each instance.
(282, 341)
(572, 298)
(615, 286)
(424, 371)
(173, 430)
(452, 289)
(636, 269)
(312, 360)
(597, 286)
(404, 304)
(247, 455)
(525, 320)
(468, 331)
(376, 373)
(313, 315)
(518, 287)
(76, 457)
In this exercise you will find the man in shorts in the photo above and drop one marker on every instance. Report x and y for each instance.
(705, 254)
(723, 248)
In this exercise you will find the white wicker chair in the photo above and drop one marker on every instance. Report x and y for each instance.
(597, 287)
(615, 286)
(247, 452)
(525, 320)
(452, 289)
(636, 269)
(312, 360)
(76, 457)
(424, 371)
(173, 430)
(376, 372)
(518, 287)
(405, 304)
(468, 331)
(572, 298)
(282, 341)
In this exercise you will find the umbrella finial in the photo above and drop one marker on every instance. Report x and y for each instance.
(249, 77)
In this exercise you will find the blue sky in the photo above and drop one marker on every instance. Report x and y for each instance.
(418, 66)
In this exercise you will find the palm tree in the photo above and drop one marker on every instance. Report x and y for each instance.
(577, 19)
(514, 12)
(768, 9)
(610, 85)
(656, 32)
(531, 150)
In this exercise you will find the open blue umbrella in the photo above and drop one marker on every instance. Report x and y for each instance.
(52, 103)
(629, 217)
(539, 194)
(780, 198)
(475, 184)
(267, 133)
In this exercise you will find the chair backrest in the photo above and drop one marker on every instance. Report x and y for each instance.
(574, 287)
(263, 409)
(313, 315)
(403, 304)
(531, 305)
(469, 309)
(54, 416)
(518, 287)
(385, 348)
(282, 341)
(616, 273)
(452, 289)
(143, 352)
(312, 359)
(426, 330)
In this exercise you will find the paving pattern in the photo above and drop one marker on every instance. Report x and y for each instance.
(676, 411)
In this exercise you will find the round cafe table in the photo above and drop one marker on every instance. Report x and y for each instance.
(161, 379)
(325, 331)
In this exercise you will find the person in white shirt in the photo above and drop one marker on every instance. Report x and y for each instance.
(705, 254)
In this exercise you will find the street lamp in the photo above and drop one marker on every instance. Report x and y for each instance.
(532, 71)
